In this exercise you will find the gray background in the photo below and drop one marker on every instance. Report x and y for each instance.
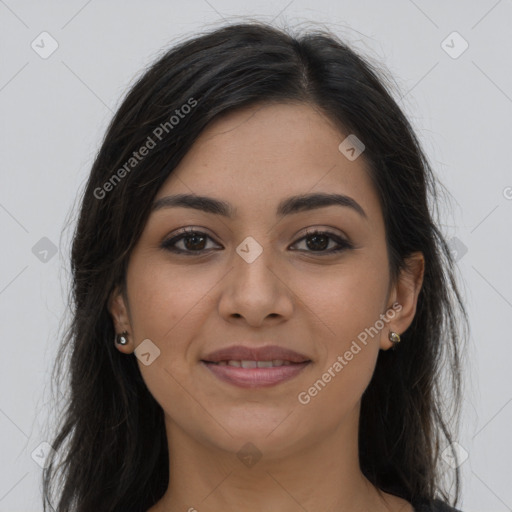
(54, 112)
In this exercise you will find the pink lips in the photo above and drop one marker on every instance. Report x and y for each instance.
(286, 365)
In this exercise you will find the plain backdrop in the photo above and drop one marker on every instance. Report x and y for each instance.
(452, 64)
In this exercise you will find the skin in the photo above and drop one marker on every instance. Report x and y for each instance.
(304, 299)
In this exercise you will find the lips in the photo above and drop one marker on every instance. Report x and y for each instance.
(255, 367)
(272, 353)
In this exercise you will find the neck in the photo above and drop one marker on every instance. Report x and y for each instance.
(321, 475)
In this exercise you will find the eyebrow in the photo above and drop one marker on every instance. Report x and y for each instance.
(291, 205)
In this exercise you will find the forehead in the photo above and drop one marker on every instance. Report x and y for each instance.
(256, 156)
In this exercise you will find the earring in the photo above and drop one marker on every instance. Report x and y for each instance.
(394, 337)
(122, 339)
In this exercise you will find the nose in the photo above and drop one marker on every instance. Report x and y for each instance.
(256, 291)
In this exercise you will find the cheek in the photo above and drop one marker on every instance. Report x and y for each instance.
(168, 306)
(165, 300)
(345, 300)
(344, 306)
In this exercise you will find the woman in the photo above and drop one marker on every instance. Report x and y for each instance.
(263, 302)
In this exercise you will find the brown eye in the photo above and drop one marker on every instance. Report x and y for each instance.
(192, 242)
(318, 241)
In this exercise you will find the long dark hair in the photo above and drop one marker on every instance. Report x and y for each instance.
(111, 437)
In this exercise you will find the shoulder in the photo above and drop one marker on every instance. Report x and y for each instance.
(433, 506)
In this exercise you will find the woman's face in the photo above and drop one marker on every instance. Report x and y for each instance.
(252, 278)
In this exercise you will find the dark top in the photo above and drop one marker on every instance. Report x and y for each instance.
(425, 506)
(434, 506)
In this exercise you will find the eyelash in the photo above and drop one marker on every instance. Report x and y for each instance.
(187, 232)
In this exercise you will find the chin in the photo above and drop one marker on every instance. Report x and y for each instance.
(270, 435)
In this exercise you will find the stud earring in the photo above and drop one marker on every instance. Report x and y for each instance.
(122, 339)
(394, 337)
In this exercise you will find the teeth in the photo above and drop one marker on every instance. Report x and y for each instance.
(255, 364)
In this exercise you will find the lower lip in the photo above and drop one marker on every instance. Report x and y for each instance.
(256, 377)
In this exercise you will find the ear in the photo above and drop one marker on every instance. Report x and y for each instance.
(405, 292)
(118, 308)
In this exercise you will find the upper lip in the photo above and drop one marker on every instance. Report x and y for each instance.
(244, 353)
